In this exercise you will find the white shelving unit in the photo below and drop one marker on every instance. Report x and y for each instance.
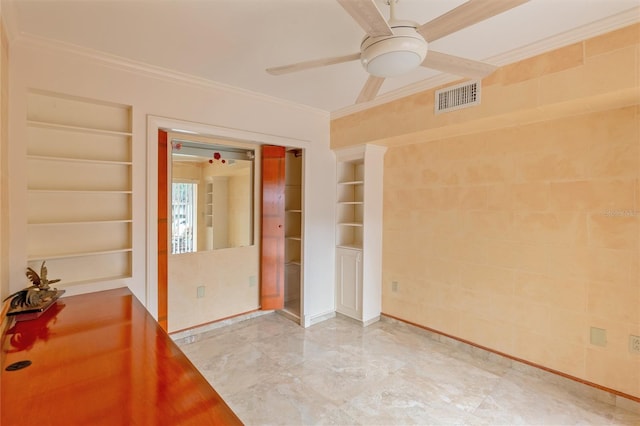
(208, 208)
(293, 232)
(79, 205)
(350, 203)
(359, 232)
(208, 215)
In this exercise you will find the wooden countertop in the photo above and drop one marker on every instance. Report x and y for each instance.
(101, 359)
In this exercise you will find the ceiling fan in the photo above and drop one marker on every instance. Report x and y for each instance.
(398, 46)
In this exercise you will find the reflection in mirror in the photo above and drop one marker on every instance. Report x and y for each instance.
(212, 196)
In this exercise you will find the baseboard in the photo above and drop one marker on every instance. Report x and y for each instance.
(370, 321)
(574, 384)
(309, 320)
(191, 332)
(289, 315)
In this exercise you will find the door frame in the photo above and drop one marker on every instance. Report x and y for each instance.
(155, 123)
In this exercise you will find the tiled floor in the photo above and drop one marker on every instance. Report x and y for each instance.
(272, 371)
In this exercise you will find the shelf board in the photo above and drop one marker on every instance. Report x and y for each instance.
(81, 222)
(293, 211)
(47, 125)
(350, 223)
(79, 191)
(74, 255)
(350, 246)
(78, 160)
(355, 203)
(65, 284)
(294, 238)
(352, 182)
(294, 262)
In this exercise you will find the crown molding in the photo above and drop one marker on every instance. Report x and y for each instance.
(578, 34)
(147, 70)
(8, 16)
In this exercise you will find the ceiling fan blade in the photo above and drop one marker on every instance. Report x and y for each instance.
(285, 69)
(456, 65)
(368, 16)
(370, 89)
(465, 15)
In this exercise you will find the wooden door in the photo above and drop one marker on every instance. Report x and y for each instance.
(272, 240)
(163, 229)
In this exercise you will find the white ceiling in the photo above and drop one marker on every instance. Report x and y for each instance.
(233, 41)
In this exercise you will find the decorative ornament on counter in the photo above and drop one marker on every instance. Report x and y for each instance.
(31, 302)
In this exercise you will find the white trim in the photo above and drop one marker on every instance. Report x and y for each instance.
(192, 334)
(584, 32)
(153, 124)
(147, 70)
(309, 320)
(371, 321)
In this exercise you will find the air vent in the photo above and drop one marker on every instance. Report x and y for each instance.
(456, 97)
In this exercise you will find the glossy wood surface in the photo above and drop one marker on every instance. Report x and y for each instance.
(163, 229)
(101, 359)
(272, 247)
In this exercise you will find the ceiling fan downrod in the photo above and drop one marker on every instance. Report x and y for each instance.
(392, 10)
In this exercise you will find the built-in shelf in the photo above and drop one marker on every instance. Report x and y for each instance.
(79, 188)
(350, 246)
(52, 256)
(350, 224)
(46, 125)
(293, 232)
(77, 160)
(79, 191)
(80, 222)
(208, 213)
(358, 232)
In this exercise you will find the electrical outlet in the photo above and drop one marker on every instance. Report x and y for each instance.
(634, 344)
(200, 293)
(598, 336)
(253, 280)
(394, 286)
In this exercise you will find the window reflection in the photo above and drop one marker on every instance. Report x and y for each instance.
(184, 204)
(212, 196)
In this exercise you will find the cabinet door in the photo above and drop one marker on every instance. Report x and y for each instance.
(163, 230)
(349, 282)
(272, 258)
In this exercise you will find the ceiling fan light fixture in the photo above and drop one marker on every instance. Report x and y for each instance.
(390, 56)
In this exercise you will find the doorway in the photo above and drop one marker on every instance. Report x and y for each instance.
(250, 286)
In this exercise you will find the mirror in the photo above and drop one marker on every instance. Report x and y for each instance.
(211, 196)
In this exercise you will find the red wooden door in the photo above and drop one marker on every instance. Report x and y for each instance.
(272, 247)
(163, 230)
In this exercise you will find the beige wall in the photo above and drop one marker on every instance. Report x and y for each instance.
(4, 161)
(229, 275)
(239, 208)
(516, 224)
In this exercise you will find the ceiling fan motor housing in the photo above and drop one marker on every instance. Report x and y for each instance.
(393, 55)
